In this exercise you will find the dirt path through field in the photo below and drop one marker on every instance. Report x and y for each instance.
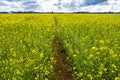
(62, 63)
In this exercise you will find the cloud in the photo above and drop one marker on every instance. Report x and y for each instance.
(47, 5)
(29, 5)
(9, 6)
(60, 5)
(93, 2)
(110, 5)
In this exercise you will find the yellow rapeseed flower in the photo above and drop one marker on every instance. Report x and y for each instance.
(101, 41)
(41, 55)
(74, 55)
(17, 72)
(90, 76)
(90, 56)
(111, 52)
(34, 51)
(114, 66)
(77, 51)
(11, 49)
(80, 74)
(100, 72)
(94, 48)
(46, 79)
(117, 78)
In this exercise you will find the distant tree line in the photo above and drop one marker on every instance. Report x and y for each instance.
(20, 12)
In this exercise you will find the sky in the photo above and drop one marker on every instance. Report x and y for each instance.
(60, 5)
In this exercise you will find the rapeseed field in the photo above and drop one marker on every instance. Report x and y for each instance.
(91, 41)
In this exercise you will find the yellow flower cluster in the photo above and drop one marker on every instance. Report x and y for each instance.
(91, 42)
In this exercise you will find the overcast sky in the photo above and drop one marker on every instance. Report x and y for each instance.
(60, 5)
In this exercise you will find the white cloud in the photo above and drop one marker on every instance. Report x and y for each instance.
(47, 5)
(10, 6)
(110, 5)
(60, 5)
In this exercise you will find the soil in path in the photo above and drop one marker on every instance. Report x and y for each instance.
(62, 64)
